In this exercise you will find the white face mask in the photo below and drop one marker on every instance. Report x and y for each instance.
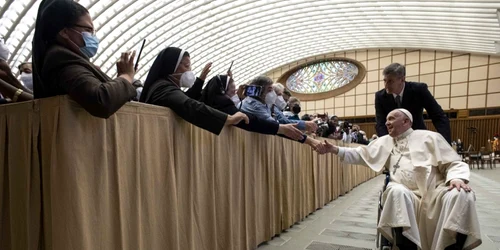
(187, 79)
(280, 102)
(271, 97)
(235, 99)
(4, 51)
(27, 79)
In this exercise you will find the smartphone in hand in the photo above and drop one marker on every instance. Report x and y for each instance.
(230, 66)
(139, 55)
(252, 90)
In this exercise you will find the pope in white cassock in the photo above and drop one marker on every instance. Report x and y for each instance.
(428, 203)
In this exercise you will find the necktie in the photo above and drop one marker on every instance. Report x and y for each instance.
(398, 101)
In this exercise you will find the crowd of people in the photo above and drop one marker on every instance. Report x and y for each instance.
(65, 40)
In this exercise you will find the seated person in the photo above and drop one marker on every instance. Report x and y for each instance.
(306, 117)
(63, 44)
(292, 102)
(295, 110)
(427, 203)
(286, 95)
(220, 93)
(280, 101)
(362, 139)
(333, 131)
(10, 88)
(172, 70)
(26, 71)
(261, 106)
(354, 133)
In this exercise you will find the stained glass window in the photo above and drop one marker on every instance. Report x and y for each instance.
(322, 77)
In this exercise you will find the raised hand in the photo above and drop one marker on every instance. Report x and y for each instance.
(125, 66)
(205, 71)
(241, 90)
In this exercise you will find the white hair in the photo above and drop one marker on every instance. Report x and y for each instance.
(278, 87)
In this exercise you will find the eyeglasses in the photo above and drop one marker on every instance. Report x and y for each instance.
(87, 29)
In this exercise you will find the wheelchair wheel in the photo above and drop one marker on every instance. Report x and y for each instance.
(381, 243)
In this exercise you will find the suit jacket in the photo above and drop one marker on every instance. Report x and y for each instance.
(416, 97)
(166, 93)
(67, 73)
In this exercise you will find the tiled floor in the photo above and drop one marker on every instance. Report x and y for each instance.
(350, 222)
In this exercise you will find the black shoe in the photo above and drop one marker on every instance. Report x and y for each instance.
(401, 241)
(459, 245)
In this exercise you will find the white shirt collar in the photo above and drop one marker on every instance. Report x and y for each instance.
(404, 134)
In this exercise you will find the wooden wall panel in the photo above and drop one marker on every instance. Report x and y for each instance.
(486, 127)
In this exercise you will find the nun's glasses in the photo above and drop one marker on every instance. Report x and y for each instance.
(87, 29)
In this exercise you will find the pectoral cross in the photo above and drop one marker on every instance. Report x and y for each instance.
(396, 166)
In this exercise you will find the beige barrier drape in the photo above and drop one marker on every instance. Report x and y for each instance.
(145, 179)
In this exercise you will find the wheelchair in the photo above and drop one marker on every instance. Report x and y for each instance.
(382, 242)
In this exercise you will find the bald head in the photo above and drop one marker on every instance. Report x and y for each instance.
(398, 121)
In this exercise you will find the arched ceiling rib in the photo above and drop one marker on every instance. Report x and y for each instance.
(262, 35)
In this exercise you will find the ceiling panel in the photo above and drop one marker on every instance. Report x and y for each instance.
(262, 35)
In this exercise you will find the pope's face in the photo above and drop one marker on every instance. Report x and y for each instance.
(396, 123)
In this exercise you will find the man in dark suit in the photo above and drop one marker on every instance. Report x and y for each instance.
(412, 96)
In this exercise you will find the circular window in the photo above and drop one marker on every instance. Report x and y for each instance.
(322, 77)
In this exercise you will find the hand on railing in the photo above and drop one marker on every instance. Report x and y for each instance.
(290, 131)
(236, 118)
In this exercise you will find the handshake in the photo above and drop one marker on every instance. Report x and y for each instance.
(325, 147)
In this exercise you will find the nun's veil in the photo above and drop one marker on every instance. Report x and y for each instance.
(216, 86)
(165, 64)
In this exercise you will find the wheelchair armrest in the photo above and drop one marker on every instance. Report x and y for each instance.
(387, 178)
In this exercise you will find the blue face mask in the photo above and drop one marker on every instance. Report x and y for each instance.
(91, 44)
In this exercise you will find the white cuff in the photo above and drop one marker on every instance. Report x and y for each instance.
(341, 153)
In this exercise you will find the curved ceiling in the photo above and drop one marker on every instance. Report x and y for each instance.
(262, 35)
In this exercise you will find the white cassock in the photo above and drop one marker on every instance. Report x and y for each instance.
(417, 197)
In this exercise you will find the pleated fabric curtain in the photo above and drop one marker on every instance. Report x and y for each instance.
(146, 179)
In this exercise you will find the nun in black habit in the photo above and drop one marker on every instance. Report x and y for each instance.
(220, 93)
(172, 70)
(63, 43)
